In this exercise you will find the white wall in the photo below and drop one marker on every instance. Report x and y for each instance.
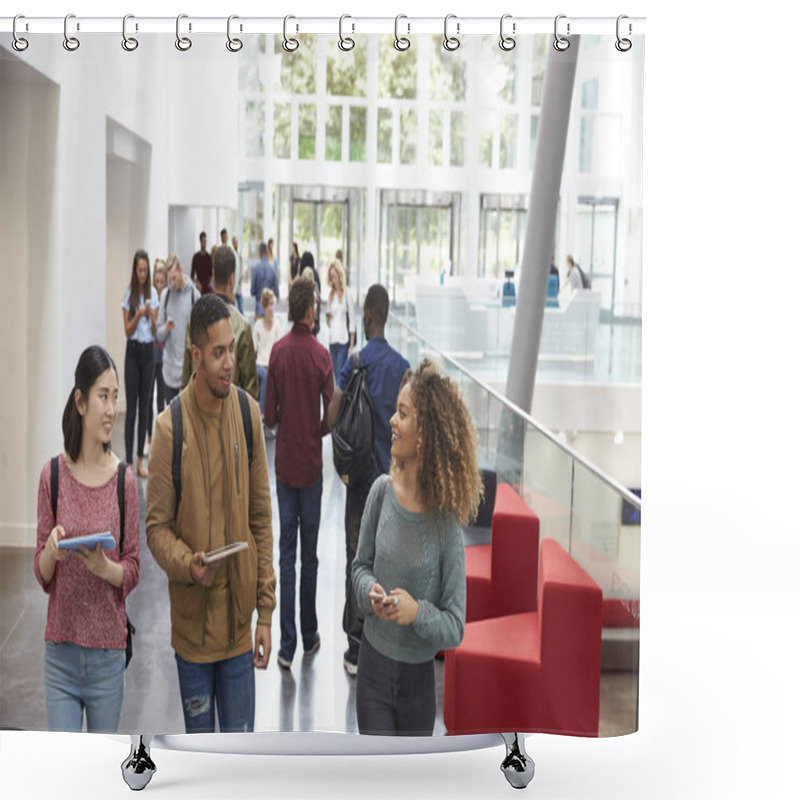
(66, 276)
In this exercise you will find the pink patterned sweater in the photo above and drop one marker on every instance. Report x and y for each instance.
(83, 608)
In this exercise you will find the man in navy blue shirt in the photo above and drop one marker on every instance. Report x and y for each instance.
(385, 370)
(265, 276)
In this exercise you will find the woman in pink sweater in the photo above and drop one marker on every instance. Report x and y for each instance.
(86, 629)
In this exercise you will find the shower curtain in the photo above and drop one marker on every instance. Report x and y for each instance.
(414, 159)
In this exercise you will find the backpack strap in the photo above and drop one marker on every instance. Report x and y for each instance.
(121, 467)
(177, 446)
(244, 405)
(166, 301)
(54, 486)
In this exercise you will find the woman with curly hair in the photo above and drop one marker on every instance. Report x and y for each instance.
(408, 573)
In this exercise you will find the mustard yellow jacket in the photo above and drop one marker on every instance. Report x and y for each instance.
(215, 623)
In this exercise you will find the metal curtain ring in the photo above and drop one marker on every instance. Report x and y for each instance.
(451, 42)
(623, 45)
(345, 42)
(401, 43)
(183, 43)
(70, 42)
(559, 42)
(507, 42)
(19, 43)
(289, 44)
(233, 44)
(129, 43)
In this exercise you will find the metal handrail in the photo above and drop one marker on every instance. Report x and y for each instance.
(629, 496)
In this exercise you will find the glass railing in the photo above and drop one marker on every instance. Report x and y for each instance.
(595, 518)
(580, 342)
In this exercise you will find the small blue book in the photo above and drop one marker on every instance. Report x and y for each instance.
(105, 540)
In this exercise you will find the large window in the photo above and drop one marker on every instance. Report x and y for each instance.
(502, 234)
(596, 245)
(419, 235)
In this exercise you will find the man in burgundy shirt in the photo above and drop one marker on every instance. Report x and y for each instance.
(300, 372)
(203, 268)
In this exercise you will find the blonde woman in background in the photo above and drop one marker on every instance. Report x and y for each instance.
(266, 331)
(159, 284)
(340, 318)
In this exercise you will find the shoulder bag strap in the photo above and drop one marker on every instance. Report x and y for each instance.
(54, 486)
(177, 446)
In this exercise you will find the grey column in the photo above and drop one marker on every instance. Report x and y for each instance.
(539, 238)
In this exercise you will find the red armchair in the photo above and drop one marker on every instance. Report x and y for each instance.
(533, 671)
(501, 576)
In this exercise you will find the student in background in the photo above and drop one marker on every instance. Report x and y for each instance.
(300, 376)
(385, 370)
(86, 633)
(139, 312)
(159, 284)
(341, 318)
(408, 573)
(266, 331)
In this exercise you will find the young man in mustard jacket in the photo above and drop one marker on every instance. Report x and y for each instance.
(223, 500)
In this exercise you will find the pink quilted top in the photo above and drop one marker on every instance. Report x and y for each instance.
(83, 608)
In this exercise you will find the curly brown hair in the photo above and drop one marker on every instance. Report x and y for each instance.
(449, 478)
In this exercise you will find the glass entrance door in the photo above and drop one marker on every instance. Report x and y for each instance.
(596, 246)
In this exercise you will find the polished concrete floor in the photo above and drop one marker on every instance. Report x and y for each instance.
(315, 694)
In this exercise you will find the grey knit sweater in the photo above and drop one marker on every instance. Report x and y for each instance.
(423, 554)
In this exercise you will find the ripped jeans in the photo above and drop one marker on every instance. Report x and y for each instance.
(228, 684)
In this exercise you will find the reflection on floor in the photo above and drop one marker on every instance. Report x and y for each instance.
(316, 694)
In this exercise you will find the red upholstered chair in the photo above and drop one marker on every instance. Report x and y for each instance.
(534, 671)
(501, 576)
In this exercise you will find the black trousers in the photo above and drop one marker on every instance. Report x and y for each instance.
(352, 620)
(394, 698)
(159, 391)
(139, 368)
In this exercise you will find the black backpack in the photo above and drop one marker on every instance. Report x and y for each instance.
(177, 437)
(353, 435)
(121, 467)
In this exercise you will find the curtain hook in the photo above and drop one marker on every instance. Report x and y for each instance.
(623, 45)
(70, 42)
(19, 44)
(289, 44)
(559, 42)
(507, 42)
(129, 43)
(451, 42)
(183, 43)
(234, 45)
(401, 43)
(346, 43)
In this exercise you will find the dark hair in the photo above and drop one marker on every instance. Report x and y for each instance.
(377, 301)
(306, 260)
(205, 312)
(133, 303)
(93, 362)
(224, 265)
(262, 249)
(223, 232)
(295, 249)
(301, 298)
(203, 235)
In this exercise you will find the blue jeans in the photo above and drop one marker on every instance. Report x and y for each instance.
(139, 371)
(298, 508)
(229, 684)
(262, 387)
(240, 303)
(338, 359)
(78, 678)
